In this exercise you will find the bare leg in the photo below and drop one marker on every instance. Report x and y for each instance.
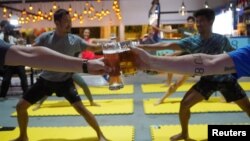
(191, 98)
(22, 118)
(89, 117)
(169, 78)
(81, 82)
(172, 89)
(244, 104)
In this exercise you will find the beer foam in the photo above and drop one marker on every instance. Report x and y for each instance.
(109, 51)
(124, 49)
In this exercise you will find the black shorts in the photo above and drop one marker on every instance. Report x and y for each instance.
(44, 87)
(231, 90)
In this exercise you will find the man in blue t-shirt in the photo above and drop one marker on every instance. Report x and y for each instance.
(209, 43)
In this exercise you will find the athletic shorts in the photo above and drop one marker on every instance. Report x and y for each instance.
(45, 88)
(231, 90)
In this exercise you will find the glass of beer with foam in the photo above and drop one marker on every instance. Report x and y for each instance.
(111, 52)
(127, 64)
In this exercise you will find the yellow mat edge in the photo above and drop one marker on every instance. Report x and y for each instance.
(162, 112)
(14, 114)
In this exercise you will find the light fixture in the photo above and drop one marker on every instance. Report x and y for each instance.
(30, 7)
(70, 8)
(182, 10)
(206, 4)
(54, 6)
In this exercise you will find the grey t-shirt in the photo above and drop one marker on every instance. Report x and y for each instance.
(69, 44)
(3, 49)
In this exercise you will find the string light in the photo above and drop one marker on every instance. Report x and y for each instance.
(54, 6)
(206, 4)
(89, 11)
(30, 7)
(182, 10)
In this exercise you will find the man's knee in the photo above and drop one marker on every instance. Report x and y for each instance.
(185, 104)
(22, 105)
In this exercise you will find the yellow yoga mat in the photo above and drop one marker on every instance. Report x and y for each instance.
(63, 107)
(114, 133)
(104, 90)
(162, 87)
(164, 132)
(172, 105)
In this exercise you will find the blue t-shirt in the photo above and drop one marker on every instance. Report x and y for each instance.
(3, 49)
(241, 59)
(216, 44)
(69, 44)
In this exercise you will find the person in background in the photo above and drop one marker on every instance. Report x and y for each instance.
(186, 31)
(87, 54)
(9, 71)
(175, 85)
(61, 83)
(209, 43)
(2, 24)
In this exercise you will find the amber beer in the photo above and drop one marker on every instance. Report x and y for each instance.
(112, 60)
(127, 62)
(127, 59)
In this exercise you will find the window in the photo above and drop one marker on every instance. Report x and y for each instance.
(223, 23)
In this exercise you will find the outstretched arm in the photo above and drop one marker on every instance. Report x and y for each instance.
(94, 47)
(193, 64)
(41, 57)
(160, 46)
(165, 30)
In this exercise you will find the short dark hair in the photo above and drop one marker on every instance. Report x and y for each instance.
(59, 14)
(206, 12)
(191, 18)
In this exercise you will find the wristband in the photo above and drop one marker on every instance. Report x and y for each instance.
(85, 66)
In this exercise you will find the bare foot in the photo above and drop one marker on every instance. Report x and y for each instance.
(158, 102)
(21, 139)
(178, 137)
(94, 104)
(102, 138)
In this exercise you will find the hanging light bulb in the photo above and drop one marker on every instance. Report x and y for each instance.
(24, 12)
(10, 14)
(92, 8)
(30, 7)
(70, 8)
(54, 6)
(4, 10)
(75, 14)
(85, 11)
(39, 12)
(50, 12)
(206, 4)
(182, 10)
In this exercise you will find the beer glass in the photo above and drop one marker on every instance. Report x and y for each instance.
(127, 58)
(111, 52)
